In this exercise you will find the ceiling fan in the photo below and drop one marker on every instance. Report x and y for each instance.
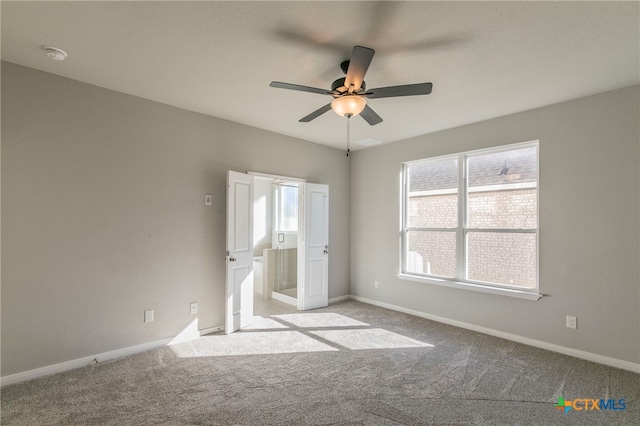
(350, 93)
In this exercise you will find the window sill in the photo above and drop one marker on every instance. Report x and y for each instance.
(522, 294)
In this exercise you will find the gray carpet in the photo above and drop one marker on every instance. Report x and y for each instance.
(348, 364)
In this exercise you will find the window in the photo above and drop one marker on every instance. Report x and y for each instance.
(286, 207)
(471, 219)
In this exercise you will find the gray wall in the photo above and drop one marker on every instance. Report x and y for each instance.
(103, 215)
(589, 225)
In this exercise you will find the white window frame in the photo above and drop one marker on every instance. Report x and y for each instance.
(462, 230)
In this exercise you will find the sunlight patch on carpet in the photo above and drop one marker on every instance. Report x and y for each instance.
(258, 343)
(261, 323)
(316, 320)
(374, 338)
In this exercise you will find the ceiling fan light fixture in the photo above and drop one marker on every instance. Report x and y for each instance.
(348, 105)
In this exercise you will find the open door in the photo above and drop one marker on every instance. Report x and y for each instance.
(315, 290)
(239, 288)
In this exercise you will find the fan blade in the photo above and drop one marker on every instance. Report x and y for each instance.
(406, 90)
(370, 116)
(281, 85)
(358, 64)
(315, 114)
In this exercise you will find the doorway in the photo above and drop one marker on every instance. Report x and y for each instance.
(276, 227)
(296, 219)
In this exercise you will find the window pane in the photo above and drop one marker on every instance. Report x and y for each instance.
(502, 258)
(287, 208)
(432, 199)
(503, 209)
(515, 166)
(431, 253)
(502, 189)
(433, 211)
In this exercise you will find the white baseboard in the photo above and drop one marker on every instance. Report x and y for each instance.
(87, 360)
(339, 299)
(210, 330)
(81, 362)
(600, 359)
(284, 298)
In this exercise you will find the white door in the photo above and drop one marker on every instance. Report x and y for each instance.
(239, 303)
(315, 289)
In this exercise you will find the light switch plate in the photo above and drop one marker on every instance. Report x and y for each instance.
(572, 322)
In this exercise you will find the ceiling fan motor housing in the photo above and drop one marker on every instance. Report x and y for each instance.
(344, 66)
(338, 86)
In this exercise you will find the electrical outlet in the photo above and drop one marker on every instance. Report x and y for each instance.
(376, 284)
(148, 315)
(207, 200)
(572, 322)
(194, 308)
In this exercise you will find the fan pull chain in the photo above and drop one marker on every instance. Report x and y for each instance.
(348, 134)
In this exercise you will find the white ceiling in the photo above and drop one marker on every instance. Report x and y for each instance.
(484, 59)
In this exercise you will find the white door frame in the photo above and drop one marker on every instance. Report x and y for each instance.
(302, 267)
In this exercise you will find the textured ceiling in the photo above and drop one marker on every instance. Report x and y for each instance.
(484, 59)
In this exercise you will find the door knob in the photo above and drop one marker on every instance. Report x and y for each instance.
(232, 259)
(326, 250)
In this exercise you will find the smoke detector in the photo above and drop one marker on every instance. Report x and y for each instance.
(54, 53)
